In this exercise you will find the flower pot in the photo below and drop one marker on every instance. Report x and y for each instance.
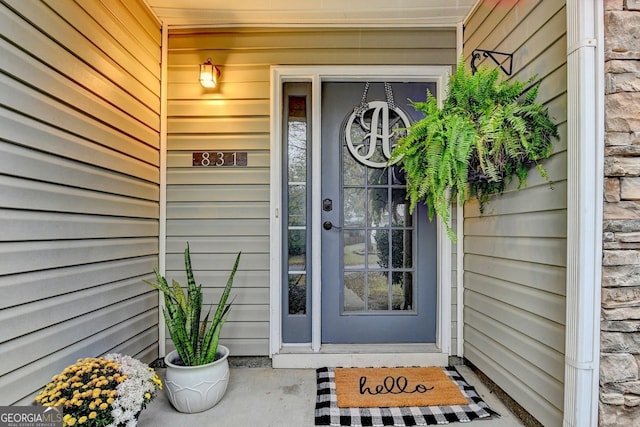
(193, 389)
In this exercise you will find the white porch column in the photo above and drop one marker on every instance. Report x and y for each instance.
(585, 149)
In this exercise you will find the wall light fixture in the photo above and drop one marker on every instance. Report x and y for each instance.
(209, 74)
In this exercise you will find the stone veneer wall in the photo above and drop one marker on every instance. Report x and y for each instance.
(620, 328)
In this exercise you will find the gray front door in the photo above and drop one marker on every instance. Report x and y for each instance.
(378, 260)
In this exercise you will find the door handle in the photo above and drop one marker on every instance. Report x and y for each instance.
(328, 225)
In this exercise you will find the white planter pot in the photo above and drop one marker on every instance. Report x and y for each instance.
(196, 388)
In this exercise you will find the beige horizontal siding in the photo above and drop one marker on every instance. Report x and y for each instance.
(243, 279)
(19, 257)
(51, 283)
(223, 193)
(218, 108)
(219, 142)
(536, 276)
(24, 226)
(18, 193)
(61, 116)
(223, 125)
(221, 211)
(515, 250)
(224, 227)
(219, 176)
(79, 186)
(84, 61)
(30, 133)
(27, 163)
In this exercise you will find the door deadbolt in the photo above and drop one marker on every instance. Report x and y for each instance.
(327, 205)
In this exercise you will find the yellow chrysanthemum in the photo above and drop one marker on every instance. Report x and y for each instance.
(93, 415)
(103, 406)
(82, 420)
(71, 421)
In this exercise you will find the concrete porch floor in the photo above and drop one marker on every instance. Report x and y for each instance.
(266, 397)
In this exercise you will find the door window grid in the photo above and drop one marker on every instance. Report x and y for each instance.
(378, 270)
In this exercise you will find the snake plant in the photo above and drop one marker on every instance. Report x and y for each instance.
(196, 341)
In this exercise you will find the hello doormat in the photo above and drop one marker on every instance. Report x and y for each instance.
(386, 387)
(328, 413)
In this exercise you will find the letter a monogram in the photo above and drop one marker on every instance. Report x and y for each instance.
(371, 133)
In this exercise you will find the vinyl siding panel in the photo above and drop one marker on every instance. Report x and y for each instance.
(226, 210)
(515, 251)
(79, 186)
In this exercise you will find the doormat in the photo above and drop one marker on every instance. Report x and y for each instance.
(328, 413)
(386, 387)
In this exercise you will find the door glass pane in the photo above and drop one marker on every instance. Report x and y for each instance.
(378, 207)
(400, 216)
(354, 207)
(297, 204)
(297, 294)
(378, 176)
(402, 290)
(355, 249)
(297, 151)
(353, 172)
(378, 291)
(401, 249)
(354, 291)
(376, 238)
(297, 245)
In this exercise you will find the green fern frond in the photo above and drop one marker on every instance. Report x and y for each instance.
(486, 132)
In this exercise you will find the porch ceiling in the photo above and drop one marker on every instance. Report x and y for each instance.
(311, 12)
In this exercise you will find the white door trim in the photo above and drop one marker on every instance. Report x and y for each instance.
(316, 75)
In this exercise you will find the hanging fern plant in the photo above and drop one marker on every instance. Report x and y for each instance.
(486, 132)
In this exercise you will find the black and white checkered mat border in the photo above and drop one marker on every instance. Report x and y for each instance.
(328, 413)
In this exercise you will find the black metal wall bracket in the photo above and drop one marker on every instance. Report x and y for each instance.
(475, 55)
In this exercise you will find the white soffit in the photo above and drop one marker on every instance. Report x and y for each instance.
(396, 13)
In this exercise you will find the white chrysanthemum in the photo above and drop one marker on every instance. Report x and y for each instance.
(131, 392)
(117, 414)
(128, 415)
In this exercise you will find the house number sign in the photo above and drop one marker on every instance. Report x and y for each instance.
(219, 159)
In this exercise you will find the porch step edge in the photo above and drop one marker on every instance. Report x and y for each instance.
(357, 360)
